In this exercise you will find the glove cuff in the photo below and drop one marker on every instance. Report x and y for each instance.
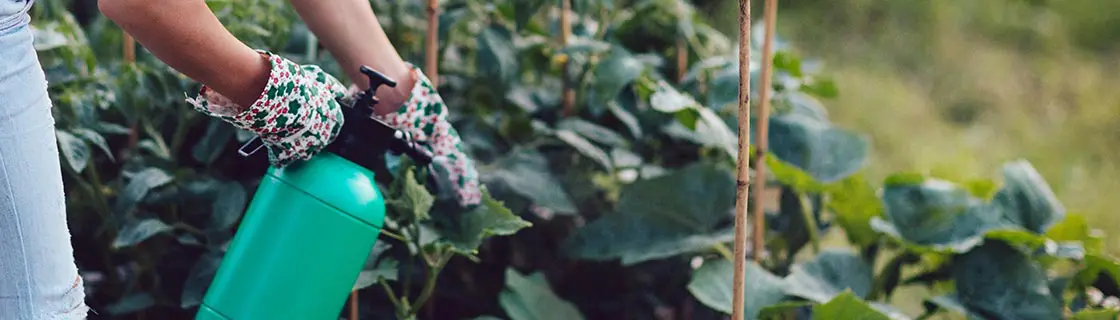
(424, 116)
(286, 116)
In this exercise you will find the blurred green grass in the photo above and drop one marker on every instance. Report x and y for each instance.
(957, 87)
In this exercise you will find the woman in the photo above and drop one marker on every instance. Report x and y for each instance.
(291, 107)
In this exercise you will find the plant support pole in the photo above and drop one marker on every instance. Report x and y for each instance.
(568, 99)
(744, 175)
(432, 47)
(763, 128)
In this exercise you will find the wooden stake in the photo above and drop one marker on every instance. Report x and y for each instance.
(744, 177)
(129, 46)
(568, 100)
(353, 305)
(432, 46)
(682, 58)
(763, 125)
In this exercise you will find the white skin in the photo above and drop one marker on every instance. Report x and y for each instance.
(187, 36)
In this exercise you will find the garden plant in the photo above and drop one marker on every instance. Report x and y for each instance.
(608, 158)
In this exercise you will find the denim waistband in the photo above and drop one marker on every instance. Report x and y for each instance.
(14, 14)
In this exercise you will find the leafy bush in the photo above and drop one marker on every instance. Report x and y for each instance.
(622, 210)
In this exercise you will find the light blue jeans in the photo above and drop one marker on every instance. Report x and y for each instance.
(38, 276)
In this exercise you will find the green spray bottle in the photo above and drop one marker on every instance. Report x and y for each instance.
(310, 226)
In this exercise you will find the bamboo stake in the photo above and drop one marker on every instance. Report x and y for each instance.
(744, 177)
(432, 52)
(568, 100)
(682, 58)
(353, 305)
(763, 124)
(129, 47)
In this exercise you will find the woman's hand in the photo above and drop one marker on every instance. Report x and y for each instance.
(424, 116)
(296, 115)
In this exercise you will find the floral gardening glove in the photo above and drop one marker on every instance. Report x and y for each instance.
(296, 115)
(424, 117)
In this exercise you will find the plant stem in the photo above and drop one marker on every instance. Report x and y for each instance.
(392, 295)
(744, 176)
(810, 222)
(394, 235)
(430, 285)
(724, 252)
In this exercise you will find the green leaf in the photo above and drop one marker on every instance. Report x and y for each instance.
(827, 153)
(711, 284)
(199, 278)
(411, 201)
(997, 279)
(1027, 200)
(526, 173)
(524, 10)
(951, 303)
(1094, 266)
(787, 62)
(585, 147)
(684, 211)
(1097, 314)
(138, 231)
(936, 213)
(613, 74)
(1076, 228)
(531, 298)
(830, 273)
(74, 150)
(218, 135)
(854, 203)
(386, 269)
(96, 139)
(824, 88)
(497, 56)
(138, 187)
(592, 131)
(668, 100)
(467, 231)
(847, 305)
(228, 206)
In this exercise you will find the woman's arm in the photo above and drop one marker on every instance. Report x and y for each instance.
(187, 36)
(350, 31)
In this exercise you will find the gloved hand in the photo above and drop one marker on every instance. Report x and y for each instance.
(424, 117)
(296, 115)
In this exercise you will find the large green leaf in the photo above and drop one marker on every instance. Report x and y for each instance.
(593, 131)
(410, 200)
(614, 73)
(137, 231)
(199, 278)
(466, 231)
(1076, 228)
(827, 153)
(74, 150)
(1027, 200)
(711, 284)
(228, 206)
(138, 186)
(830, 273)
(847, 305)
(497, 56)
(1097, 314)
(935, 213)
(526, 173)
(854, 202)
(585, 147)
(997, 279)
(684, 211)
(531, 298)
